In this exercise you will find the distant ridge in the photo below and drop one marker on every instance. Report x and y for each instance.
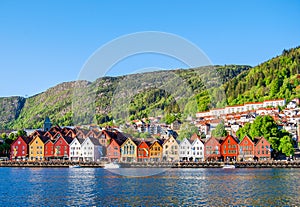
(274, 79)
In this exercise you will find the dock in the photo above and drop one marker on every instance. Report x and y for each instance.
(66, 164)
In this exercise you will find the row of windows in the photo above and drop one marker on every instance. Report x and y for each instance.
(172, 152)
(172, 147)
(230, 151)
(23, 147)
(193, 148)
(211, 152)
(75, 148)
(263, 152)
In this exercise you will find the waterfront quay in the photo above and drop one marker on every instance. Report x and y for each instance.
(54, 164)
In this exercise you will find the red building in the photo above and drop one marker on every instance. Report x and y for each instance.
(62, 147)
(49, 150)
(143, 150)
(230, 148)
(246, 149)
(212, 149)
(113, 151)
(262, 149)
(19, 148)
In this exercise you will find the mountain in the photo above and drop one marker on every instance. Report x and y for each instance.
(171, 93)
(84, 102)
(276, 78)
(10, 108)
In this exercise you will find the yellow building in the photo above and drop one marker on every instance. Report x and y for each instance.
(36, 148)
(171, 149)
(156, 151)
(129, 151)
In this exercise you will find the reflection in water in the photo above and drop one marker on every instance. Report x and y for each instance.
(177, 187)
(138, 172)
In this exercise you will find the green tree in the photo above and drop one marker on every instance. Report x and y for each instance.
(187, 130)
(21, 133)
(264, 126)
(145, 135)
(243, 131)
(219, 131)
(286, 146)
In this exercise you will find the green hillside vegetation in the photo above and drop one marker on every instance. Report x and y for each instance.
(276, 78)
(176, 94)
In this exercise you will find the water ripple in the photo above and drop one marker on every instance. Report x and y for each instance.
(175, 187)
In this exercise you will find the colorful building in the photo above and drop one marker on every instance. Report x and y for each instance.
(262, 149)
(246, 149)
(230, 148)
(156, 151)
(19, 148)
(171, 149)
(212, 149)
(129, 151)
(36, 148)
(143, 151)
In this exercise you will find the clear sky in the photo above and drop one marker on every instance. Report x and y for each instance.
(43, 43)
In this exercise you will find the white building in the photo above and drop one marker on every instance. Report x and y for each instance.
(185, 150)
(91, 149)
(197, 150)
(75, 153)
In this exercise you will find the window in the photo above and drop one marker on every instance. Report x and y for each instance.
(19, 142)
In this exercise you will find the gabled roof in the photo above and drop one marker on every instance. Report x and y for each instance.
(42, 138)
(26, 139)
(50, 140)
(67, 139)
(194, 137)
(258, 139)
(229, 136)
(186, 140)
(246, 137)
(80, 140)
(94, 141)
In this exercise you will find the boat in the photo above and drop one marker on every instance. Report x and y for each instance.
(228, 166)
(74, 166)
(111, 166)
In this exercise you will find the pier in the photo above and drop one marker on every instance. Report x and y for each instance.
(66, 164)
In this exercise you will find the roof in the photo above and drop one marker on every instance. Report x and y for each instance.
(94, 141)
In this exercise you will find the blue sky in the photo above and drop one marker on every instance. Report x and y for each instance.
(43, 43)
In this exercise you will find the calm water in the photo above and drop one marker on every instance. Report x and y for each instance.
(176, 187)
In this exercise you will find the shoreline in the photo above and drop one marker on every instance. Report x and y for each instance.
(67, 164)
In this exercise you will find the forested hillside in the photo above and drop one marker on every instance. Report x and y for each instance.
(276, 78)
(173, 93)
(83, 102)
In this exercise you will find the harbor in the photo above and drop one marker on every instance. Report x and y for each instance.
(66, 164)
